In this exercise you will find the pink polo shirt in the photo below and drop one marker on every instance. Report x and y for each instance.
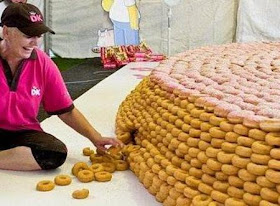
(36, 81)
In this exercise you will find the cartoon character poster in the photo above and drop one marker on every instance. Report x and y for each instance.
(125, 17)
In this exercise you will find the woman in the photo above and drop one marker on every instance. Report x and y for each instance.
(28, 78)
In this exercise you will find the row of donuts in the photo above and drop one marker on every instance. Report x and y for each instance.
(217, 135)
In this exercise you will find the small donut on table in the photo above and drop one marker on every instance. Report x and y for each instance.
(80, 194)
(103, 176)
(45, 185)
(62, 180)
(85, 176)
(78, 167)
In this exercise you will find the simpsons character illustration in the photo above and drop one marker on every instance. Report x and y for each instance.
(125, 17)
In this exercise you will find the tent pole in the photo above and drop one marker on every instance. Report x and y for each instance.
(46, 36)
(169, 32)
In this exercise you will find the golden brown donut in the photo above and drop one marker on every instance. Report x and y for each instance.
(273, 176)
(235, 181)
(80, 194)
(240, 162)
(217, 143)
(229, 169)
(234, 202)
(252, 188)
(183, 201)
(264, 182)
(196, 163)
(213, 164)
(195, 172)
(180, 175)
(190, 193)
(274, 164)
(273, 139)
(205, 126)
(229, 147)
(162, 175)
(270, 125)
(193, 152)
(205, 116)
(194, 133)
(174, 194)
(201, 200)
(235, 192)
(260, 159)
(85, 176)
(103, 176)
(269, 195)
(171, 180)
(246, 176)
(202, 157)
(261, 147)
(219, 196)
(121, 165)
(205, 189)
(96, 167)
(192, 181)
(62, 180)
(216, 121)
(267, 203)
(45, 185)
(231, 137)
(216, 132)
(257, 134)
(221, 186)
(155, 168)
(245, 141)
(96, 158)
(275, 153)
(212, 152)
(243, 151)
(221, 176)
(203, 145)
(224, 157)
(226, 126)
(78, 167)
(87, 151)
(251, 199)
(205, 169)
(107, 166)
(195, 123)
(185, 166)
(193, 142)
(241, 129)
(256, 169)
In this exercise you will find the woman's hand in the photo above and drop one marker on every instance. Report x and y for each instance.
(101, 142)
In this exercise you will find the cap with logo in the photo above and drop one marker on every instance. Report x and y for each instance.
(26, 17)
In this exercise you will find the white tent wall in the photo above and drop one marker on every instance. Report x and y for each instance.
(76, 24)
(258, 20)
(194, 23)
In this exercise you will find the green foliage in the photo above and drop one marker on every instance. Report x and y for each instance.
(67, 63)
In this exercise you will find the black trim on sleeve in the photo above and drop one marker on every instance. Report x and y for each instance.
(62, 111)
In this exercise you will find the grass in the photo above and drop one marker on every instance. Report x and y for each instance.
(67, 63)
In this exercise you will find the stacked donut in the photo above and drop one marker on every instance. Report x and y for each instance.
(208, 123)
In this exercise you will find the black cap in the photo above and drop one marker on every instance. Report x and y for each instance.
(26, 17)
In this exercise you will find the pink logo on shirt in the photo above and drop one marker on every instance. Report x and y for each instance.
(35, 17)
